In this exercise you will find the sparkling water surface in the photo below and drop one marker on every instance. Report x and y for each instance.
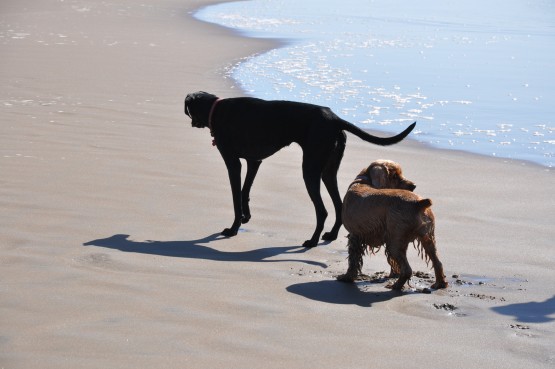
(477, 76)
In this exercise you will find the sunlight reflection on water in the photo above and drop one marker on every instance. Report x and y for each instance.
(474, 74)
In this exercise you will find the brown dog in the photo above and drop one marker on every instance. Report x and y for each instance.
(380, 209)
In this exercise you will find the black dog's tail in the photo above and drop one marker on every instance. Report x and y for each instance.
(383, 141)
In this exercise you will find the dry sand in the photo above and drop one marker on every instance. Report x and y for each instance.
(111, 206)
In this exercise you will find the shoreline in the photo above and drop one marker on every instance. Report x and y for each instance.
(113, 204)
(262, 45)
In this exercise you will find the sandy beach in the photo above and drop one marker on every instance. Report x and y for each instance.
(112, 204)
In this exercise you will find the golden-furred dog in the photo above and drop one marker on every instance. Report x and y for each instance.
(381, 209)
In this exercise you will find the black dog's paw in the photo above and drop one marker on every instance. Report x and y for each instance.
(228, 232)
(245, 219)
(329, 236)
(310, 243)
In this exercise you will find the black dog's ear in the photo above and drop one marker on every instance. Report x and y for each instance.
(187, 109)
(198, 101)
(188, 99)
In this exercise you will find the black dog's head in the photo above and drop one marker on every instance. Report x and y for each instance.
(197, 107)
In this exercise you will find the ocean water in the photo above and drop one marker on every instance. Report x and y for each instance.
(477, 75)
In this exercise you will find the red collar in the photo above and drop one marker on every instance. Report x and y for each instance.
(361, 179)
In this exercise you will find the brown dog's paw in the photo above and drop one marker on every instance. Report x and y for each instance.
(440, 284)
(345, 278)
(395, 286)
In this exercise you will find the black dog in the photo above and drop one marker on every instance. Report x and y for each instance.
(254, 129)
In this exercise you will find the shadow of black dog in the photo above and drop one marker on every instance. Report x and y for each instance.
(195, 249)
(334, 292)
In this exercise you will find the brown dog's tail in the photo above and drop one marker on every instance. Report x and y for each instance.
(424, 204)
(383, 141)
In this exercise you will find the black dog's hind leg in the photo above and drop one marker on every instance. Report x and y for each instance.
(252, 169)
(329, 176)
(234, 171)
(312, 174)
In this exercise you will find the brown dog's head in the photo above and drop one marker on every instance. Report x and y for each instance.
(387, 174)
(197, 107)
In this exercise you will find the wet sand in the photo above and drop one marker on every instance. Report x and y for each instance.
(112, 206)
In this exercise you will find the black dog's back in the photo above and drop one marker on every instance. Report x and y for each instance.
(278, 123)
(261, 128)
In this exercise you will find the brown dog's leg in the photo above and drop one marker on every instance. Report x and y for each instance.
(394, 272)
(356, 251)
(397, 251)
(429, 245)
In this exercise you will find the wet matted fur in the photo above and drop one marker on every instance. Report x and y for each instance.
(254, 129)
(381, 209)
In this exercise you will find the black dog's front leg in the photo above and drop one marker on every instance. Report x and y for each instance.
(234, 171)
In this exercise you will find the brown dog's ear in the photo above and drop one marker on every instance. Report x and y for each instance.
(378, 175)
